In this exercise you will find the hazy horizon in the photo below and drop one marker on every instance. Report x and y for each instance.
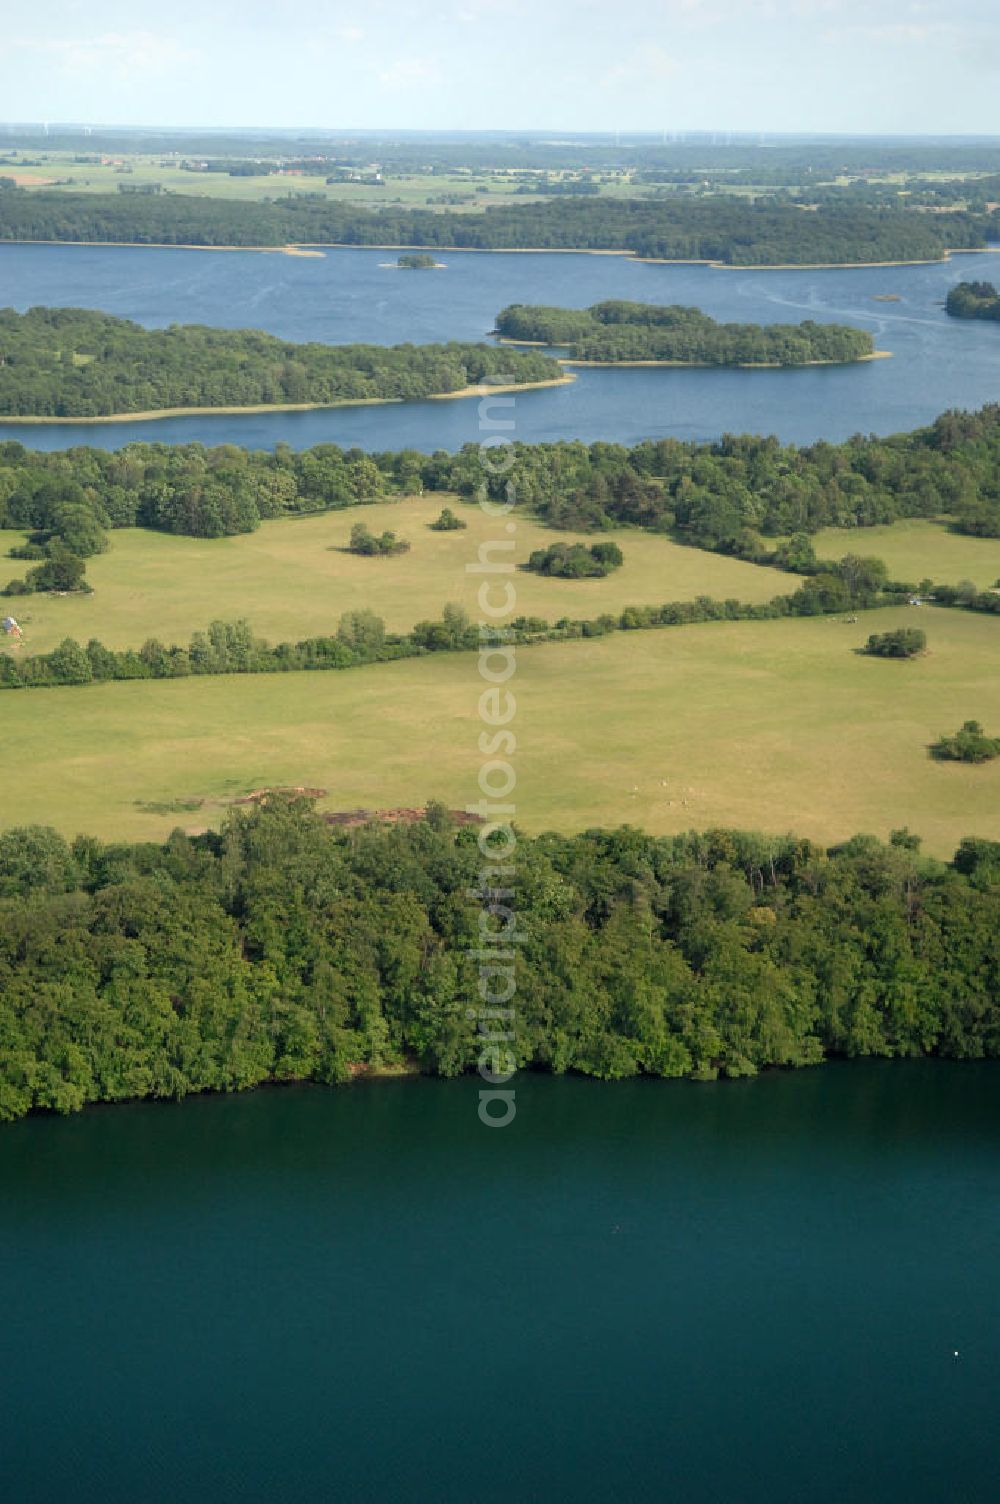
(829, 67)
(679, 136)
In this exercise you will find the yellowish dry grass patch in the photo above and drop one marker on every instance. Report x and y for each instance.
(775, 725)
(292, 578)
(916, 550)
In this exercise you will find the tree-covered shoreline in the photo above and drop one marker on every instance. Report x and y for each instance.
(740, 494)
(283, 948)
(722, 229)
(617, 332)
(73, 362)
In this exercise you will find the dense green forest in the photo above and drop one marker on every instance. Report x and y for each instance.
(723, 229)
(71, 362)
(620, 331)
(284, 949)
(973, 300)
(739, 494)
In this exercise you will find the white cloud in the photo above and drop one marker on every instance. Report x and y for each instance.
(498, 15)
(649, 64)
(351, 33)
(120, 54)
(891, 32)
(410, 70)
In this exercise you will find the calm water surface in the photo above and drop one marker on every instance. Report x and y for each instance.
(644, 1291)
(355, 295)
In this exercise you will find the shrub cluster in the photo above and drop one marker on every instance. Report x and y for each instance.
(904, 642)
(971, 744)
(575, 561)
(372, 545)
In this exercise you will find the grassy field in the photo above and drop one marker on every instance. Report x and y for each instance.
(292, 578)
(469, 190)
(916, 550)
(462, 190)
(772, 725)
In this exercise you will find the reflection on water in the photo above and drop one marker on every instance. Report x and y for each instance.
(350, 295)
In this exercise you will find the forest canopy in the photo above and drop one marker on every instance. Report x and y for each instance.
(284, 948)
(973, 300)
(742, 494)
(621, 331)
(733, 231)
(72, 362)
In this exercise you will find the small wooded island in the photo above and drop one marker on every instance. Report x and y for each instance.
(973, 300)
(417, 261)
(75, 363)
(622, 333)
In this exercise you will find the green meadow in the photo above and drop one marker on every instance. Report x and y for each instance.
(293, 578)
(916, 550)
(776, 725)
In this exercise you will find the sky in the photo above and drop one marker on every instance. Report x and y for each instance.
(855, 66)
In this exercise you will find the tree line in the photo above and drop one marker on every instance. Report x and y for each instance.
(616, 331)
(745, 495)
(853, 583)
(734, 231)
(282, 948)
(696, 152)
(73, 362)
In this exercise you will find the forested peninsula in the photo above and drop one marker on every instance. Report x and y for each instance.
(622, 333)
(75, 363)
(723, 229)
(973, 300)
(283, 948)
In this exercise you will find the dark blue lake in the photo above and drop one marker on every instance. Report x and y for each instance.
(651, 1291)
(348, 295)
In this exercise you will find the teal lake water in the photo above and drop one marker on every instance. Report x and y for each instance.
(349, 295)
(643, 1291)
